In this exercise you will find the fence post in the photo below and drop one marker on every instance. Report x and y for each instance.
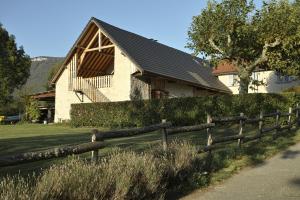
(290, 118)
(209, 158)
(260, 123)
(164, 136)
(241, 129)
(95, 154)
(276, 124)
(297, 115)
(209, 137)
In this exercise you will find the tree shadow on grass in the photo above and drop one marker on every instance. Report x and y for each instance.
(289, 154)
(14, 146)
(225, 162)
(295, 181)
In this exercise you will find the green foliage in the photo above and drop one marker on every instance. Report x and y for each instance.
(179, 111)
(32, 111)
(14, 66)
(249, 38)
(295, 89)
(121, 175)
(147, 175)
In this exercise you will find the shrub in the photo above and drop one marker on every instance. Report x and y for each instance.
(32, 111)
(295, 89)
(180, 111)
(121, 175)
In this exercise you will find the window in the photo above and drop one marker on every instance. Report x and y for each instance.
(233, 80)
(159, 94)
(254, 76)
(255, 82)
(281, 78)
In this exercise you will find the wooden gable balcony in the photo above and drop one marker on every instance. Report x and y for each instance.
(92, 65)
(98, 82)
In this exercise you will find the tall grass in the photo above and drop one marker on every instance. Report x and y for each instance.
(149, 175)
(121, 175)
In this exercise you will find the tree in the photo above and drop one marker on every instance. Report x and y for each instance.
(233, 30)
(32, 111)
(14, 66)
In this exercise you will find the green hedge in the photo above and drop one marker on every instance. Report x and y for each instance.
(180, 111)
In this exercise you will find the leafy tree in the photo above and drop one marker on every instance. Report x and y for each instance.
(32, 111)
(14, 66)
(233, 30)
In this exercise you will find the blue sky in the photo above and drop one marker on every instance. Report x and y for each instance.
(50, 27)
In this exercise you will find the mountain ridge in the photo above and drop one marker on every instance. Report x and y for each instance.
(41, 67)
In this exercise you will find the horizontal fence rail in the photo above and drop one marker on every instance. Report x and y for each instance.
(228, 119)
(183, 129)
(49, 154)
(98, 137)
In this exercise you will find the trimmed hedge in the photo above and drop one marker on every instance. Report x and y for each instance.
(180, 111)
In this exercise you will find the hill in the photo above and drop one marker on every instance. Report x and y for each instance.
(39, 72)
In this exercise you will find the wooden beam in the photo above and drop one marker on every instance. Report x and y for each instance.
(182, 129)
(50, 153)
(107, 54)
(99, 48)
(100, 135)
(87, 47)
(99, 41)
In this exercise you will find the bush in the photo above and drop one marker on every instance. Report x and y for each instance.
(32, 111)
(121, 175)
(180, 111)
(149, 175)
(295, 89)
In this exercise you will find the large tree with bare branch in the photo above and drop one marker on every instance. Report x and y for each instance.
(14, 66)
(235, 31)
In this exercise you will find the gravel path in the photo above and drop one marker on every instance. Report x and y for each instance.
(276, 179)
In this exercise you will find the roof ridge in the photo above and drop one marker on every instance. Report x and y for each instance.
(94, 18)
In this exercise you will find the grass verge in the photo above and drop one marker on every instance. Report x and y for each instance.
(142, 175)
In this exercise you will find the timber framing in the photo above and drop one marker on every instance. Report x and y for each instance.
(95, 49)
(95, 54)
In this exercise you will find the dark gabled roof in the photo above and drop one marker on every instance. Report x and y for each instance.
(156, 58)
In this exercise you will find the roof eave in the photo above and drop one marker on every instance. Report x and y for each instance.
(191, 83)
(57, 75)
(118, 45)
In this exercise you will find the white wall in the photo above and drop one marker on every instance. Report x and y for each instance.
(64, 98)
(225, 79)
(269, 78)
(119, 91)
(120, 87)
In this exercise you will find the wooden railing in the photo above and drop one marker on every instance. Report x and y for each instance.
(85, 86)
(166, 129)
(101, 81)
(97, 82)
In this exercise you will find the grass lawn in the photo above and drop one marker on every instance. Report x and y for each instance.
(35, 137)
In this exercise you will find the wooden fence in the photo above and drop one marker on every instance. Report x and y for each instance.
(99, 137)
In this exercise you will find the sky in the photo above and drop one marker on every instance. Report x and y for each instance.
(50, 27)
